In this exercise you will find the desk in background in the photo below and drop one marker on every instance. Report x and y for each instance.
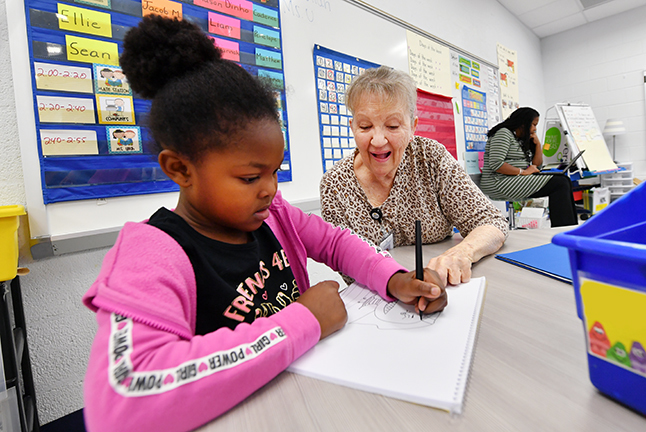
(529, 371)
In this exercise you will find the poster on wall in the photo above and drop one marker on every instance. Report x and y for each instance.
(470, 86)
(88, 120)
(476, 96)
(429, 64)
(474, 106)
(436, 120)
(508, 71)
(334, 72)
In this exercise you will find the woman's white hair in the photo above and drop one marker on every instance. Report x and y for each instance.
(389, 84)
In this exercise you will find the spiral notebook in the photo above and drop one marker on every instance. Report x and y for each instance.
(385, 348)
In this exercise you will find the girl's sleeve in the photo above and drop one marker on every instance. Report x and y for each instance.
(498, 147)
(345, 252)
(147, 370)
(143, 378)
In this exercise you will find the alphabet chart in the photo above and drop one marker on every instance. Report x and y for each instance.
(88, 120)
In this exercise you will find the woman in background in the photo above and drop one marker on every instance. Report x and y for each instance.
(513, 153)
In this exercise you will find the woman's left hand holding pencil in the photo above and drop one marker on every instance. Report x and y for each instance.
(428, 295)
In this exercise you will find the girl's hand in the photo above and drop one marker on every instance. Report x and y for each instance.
(324, 302)
(428, 295)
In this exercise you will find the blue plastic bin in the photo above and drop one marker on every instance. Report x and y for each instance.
(608, 259)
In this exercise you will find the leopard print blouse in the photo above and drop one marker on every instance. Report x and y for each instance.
(429, 186)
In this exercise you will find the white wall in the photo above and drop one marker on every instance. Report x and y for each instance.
(602, 64)
(477, 26)
(60, 330)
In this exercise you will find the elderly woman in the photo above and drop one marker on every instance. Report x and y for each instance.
(394, 178)
(513, 153)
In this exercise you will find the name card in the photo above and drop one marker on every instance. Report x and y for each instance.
(165, 8)
(224, 26)
(230, 50)
(265, 16)
(91, 51)
(238, 8)
(84, 20)
(268, 58)
(263, 36)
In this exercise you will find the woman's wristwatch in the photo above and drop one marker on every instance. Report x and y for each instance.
(520, 171)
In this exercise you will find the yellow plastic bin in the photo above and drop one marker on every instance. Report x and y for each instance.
(9, 240)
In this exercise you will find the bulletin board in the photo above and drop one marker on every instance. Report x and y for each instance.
(87, 118)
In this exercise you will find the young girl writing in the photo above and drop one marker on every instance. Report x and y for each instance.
(199, 307)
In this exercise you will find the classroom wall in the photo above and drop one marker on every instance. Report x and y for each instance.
(60, 330)
(602, 64)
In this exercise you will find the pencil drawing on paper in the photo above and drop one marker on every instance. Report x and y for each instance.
(368, 308)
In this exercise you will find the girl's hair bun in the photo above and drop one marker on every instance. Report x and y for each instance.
(162, 49)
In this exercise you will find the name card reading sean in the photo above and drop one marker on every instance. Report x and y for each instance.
(59, 142)
(165, 8)
(52, 109)
(84, 20)
(51, 76)
(91, 51)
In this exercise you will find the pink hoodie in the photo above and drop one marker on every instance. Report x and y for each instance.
(147, 369)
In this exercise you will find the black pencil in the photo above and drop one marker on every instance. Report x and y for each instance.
(419, 266)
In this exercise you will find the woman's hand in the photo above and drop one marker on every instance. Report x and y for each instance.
(453, 266)
(325, 303)
(428, 295)
(529, 170)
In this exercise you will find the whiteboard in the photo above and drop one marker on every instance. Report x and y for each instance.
(347, 26)
(583, 133)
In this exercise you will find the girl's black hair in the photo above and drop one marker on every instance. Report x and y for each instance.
(198, 98)
(521, 119)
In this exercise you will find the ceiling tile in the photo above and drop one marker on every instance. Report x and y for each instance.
(559, 25)
(551, 12)
(547, 17)
(519, 7)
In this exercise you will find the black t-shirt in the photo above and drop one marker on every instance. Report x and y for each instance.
(235, 282)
